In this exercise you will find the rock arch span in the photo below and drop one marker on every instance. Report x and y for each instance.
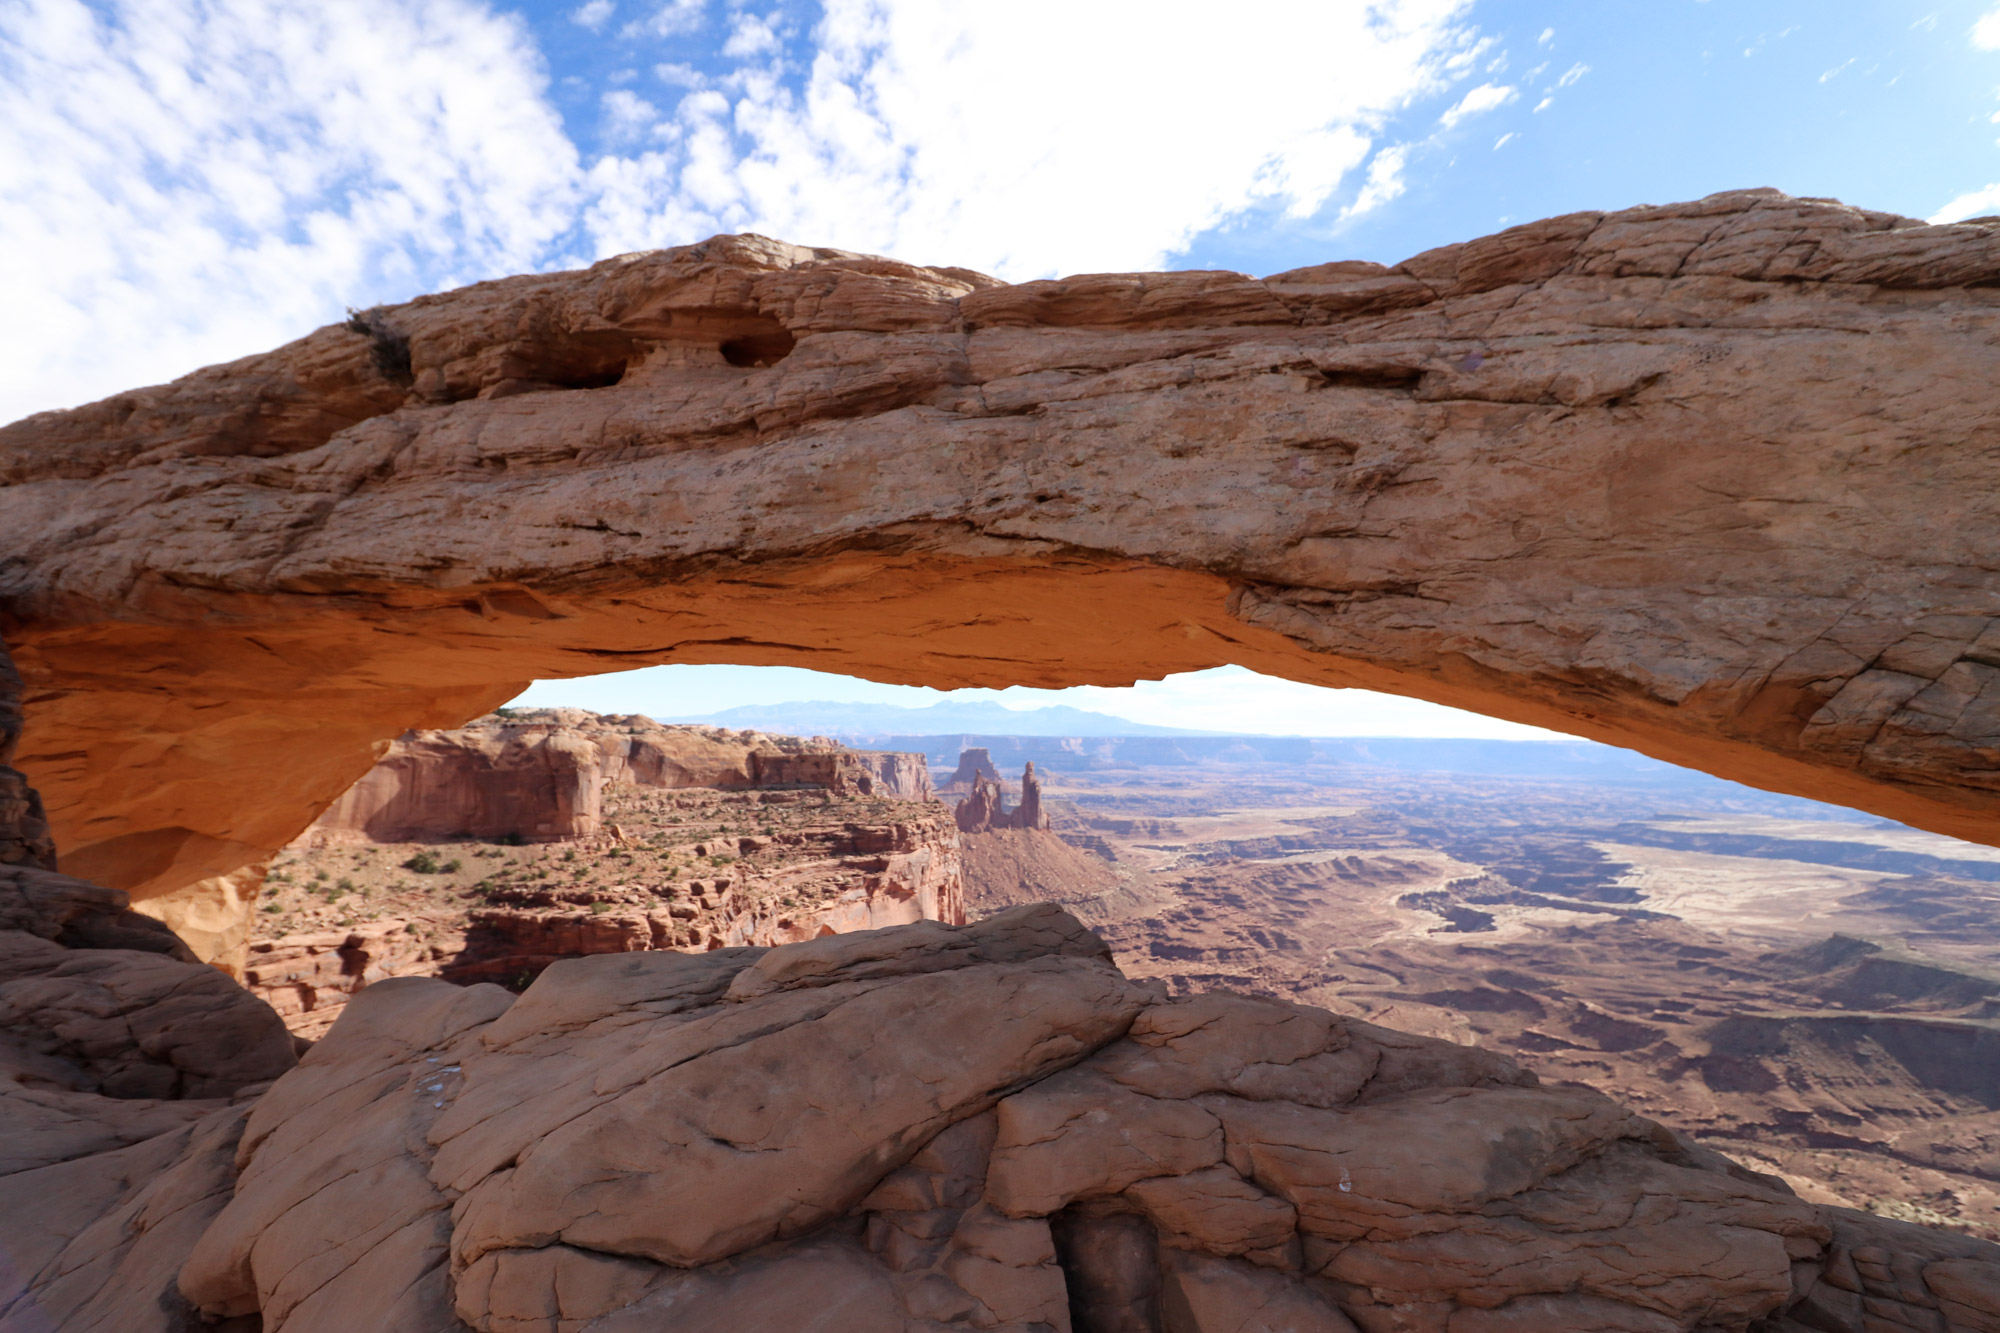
(1717, 481)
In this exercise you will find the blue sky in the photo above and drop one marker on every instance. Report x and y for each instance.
(187, 181)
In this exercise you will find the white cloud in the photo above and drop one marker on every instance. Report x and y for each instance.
(1480, 100)
(1548, 35)
(680, 75)
(672, 19)
(1839, 69)
(928, 130)
(1572, 74)
(1501, 142)
(593, 15)
(628, 115)
(1986, 32)
(1544, 104)
(184, 181)
(1384, 182)
(750, 36)
(1976, 204)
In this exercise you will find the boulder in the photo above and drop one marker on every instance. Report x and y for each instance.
(929, 1128)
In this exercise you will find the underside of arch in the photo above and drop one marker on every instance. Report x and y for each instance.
(1716, 481)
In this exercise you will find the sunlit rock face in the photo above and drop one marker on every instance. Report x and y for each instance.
(923, 1127)
(488, 852)
(539, 774)
(928, 1128)
(1703, 479)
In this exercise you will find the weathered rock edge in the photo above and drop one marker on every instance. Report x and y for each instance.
(928, 1128)
(1715, 480)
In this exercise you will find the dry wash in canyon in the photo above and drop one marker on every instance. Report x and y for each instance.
(1710, 480)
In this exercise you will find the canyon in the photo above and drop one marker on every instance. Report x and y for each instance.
(1706, 480)
(1808, 991)
(488, 852)
(917, 1127)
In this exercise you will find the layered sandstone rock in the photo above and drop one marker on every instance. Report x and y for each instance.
(985, 806)
(810, 846)
(930, 1128)
(539, 774)
(1702, 479)
(974, 762)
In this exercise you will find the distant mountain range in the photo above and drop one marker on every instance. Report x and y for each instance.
(979, 717)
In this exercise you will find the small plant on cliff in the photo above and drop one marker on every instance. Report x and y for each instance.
(451, 867)
(570, 855)
(423, 863)
(344, 884)
(597, 909)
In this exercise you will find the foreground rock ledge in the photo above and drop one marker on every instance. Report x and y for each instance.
(925, 1128)
(1712, 480)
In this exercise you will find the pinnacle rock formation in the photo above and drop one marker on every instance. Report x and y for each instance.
(985, 806)
(1704, 479)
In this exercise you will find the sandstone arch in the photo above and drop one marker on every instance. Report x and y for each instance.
(1716, 481)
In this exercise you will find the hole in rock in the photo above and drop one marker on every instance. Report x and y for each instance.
(1403, 378)
(1111, 1263)
(759, 349)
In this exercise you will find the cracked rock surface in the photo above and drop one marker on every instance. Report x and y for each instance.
(1713, 480)
(928, 1128)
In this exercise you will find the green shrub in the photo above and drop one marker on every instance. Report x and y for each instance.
(423, 863)
(452, 866)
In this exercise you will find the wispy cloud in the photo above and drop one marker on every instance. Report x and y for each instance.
(671, 19)
(925, 130)
(1986, 32)
(1973, 204)
(1383, 183)
(593, 15)
(191, 180)
(1484, 98)
(750, 36)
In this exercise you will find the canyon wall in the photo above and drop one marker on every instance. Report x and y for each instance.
(674, 837)
(539, 774)
(1707, 480)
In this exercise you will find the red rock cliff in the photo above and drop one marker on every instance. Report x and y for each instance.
(540, 775)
